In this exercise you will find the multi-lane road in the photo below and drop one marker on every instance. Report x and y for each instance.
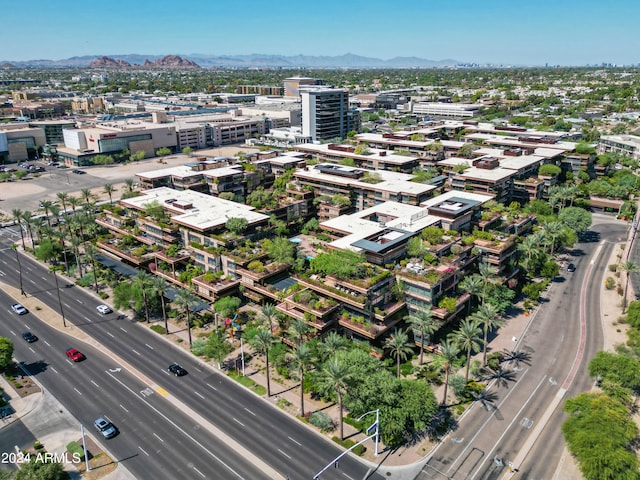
(204, 425)
(518, 423)
(201, 425)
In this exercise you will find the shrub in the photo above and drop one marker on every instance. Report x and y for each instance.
(610, 283)
(158, 329)
(75, 447)
(613, 267)
(347, 444)
(322, 421)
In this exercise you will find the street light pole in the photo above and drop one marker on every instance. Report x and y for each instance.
(375, 436)
(55, 276)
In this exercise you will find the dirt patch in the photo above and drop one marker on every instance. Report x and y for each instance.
(23, 384)
(100, 463)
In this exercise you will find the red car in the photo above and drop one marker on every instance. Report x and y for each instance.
(74, 355)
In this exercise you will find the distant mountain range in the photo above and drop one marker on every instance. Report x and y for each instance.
(348, 60)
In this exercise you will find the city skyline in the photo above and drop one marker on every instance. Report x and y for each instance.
(495, 32)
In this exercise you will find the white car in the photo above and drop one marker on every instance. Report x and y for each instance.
(104, 309)
(19, 309)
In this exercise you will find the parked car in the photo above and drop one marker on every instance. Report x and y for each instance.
(104, 309)
(19, 309)
(571, 267)
(77, 171)
(177, 370)
(75, 355)
(106, 428)
(29, 337)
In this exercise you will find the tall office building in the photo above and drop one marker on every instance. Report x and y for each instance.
(293, 85)
(324, 113)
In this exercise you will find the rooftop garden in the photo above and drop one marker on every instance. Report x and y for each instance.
(348, 266)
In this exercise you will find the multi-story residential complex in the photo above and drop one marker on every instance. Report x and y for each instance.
(372, 158)
(325, 113)
(361, 188)
(628, 145)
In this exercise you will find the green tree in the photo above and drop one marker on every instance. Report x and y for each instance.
(214, 346)
(109, 189)
(163, 152)
(186, 300)
(237, 225)
(449, 351)
(143, 281)
(335, 377)
(489, 317)
(6, 352)
(468, 337)
(576, 218)
(424, 325)
(399, 346)
(628, 268)
(38, 470)
(553, 230)
(158, 286)
(301, 359)
(280, 249)
(298, 330)
(262, 342)
(187, 150)
(332, 343)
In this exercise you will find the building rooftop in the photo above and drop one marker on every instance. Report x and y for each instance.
(195, 210)
(453, 195)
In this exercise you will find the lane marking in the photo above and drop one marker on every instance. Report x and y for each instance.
(111, 335)
(136, 352)
(295, 441)
(142, 450)
(77, 390)
(67, 305)
(47, 343)
(53, 368)
(13, 333)
(147, 345)
(250, 411)
(95, 384)
(88, 319)
(209, 385)
(284, 454)
(198, 471)
(162, 391)
(177, 427)
(32, 350)
(158, 437)
(79, 301)
(123, 330)
(200, 395)
(238, 421)
(122, 407)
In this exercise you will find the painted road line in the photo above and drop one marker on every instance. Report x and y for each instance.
(158, 437)
(122, 407)
(250, 411)
(95, 384)
(111, 335)
(123, 330)
(295, 441)
(238, 421)
(142, 450)
(136, 352)
(209, 385)
(162, 391)
(147, 345)
(284, 454)
(200, 395)
(79, 393)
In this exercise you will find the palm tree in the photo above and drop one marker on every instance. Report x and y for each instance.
(27, 218)
(74, 202)
(423, 323)
(16, 213)
(38, 224)
(488, 276)
(262, 342)
(530, 247)
(90, 249)
(468, 336)
(129, 184)
(335, 376)
(86, 195)
(268, 313)
(76, 243)
(159, 286)
(487, 316)
(553, 230)
(399, 346)
(449, 351)
(14, 247)
(63, 197)
(298, 330)
(629, 268)
(55, 213)
(109, 189)
(143, 281)
(46, 206)
(301, 361)
(332, 343)
(473, 285)
(186, 299)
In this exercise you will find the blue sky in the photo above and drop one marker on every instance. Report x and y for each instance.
(564, 32)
